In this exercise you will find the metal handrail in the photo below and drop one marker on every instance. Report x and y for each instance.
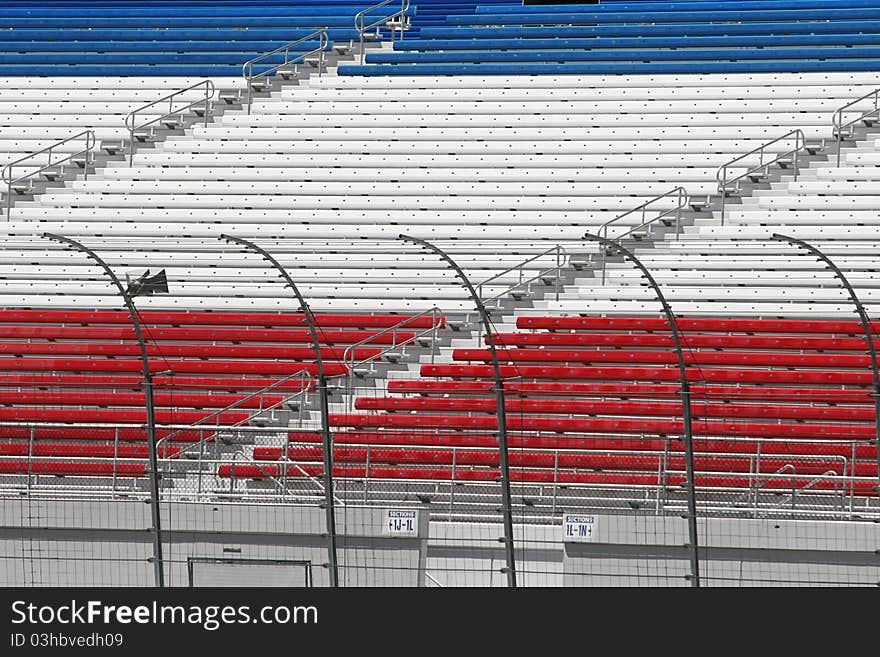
(682, 202)
(247, 69)
(434, 579)
(7, 169)
(361, 17)
(40, 489)
(562, 259)
(350, 354)
(837, 117)
(130, 117)
(828, 474)
(302, 374)
(800, 144)
(282, 486)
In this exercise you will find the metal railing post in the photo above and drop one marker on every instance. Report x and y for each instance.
(367, 475)
(31, 437)
(115, 456)
(866, 328)
(7, 172)
(247, 69)
(685, 401)
(131, 117)
(158, 564)
(800, 143)
(501, 414)
(452, 481)
(559, 259)
(329, 502)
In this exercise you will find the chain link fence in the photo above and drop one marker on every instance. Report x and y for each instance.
(785, 462)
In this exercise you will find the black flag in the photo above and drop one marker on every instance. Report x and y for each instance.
(147, 284)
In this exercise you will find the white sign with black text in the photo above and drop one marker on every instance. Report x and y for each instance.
(400, 523)
(577, 528)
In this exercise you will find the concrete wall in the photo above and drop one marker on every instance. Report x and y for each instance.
(652, 551)
(76, 543)
(69, 543)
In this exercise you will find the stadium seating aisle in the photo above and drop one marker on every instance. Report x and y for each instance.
(38, 112)
(789, 409)
(733, 268)
(74, 65)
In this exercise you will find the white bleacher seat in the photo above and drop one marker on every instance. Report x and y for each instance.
(732, 80)
(331, 170)
(37, 112)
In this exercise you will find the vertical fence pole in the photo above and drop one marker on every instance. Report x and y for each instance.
(685, 402)
(329, 504)
(866, 327)
(158, 565)
(507, 506)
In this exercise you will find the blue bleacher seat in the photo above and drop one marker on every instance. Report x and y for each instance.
(173, 37)
(622, 55)
(693, 36)
(672, 29)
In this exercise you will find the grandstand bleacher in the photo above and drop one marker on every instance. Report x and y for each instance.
(503, 132)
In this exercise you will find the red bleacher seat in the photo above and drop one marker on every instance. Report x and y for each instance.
(631, 390)
(202, 318)
(603, 407)
(860, 377)
(199, 334)
(765, 394)
(64, 371)
(696, 324)
(72, 468)
(608, 425)
(122, 451)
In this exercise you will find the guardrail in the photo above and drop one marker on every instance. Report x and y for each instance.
(755, 496)
(841, 129)
(682, 199)
(759, 490)
(763, 166)
(247, 69)
(85, 156)
(399, 20)
(349, 356)
(281, 482)
(561, 262)
(305, 386)
(131, 116)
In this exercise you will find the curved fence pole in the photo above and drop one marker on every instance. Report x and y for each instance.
(863, 318)
(685, 401)
(499, 403)
(329, 503)
(158, 565)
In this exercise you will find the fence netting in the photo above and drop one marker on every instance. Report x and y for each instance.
(784, 460)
